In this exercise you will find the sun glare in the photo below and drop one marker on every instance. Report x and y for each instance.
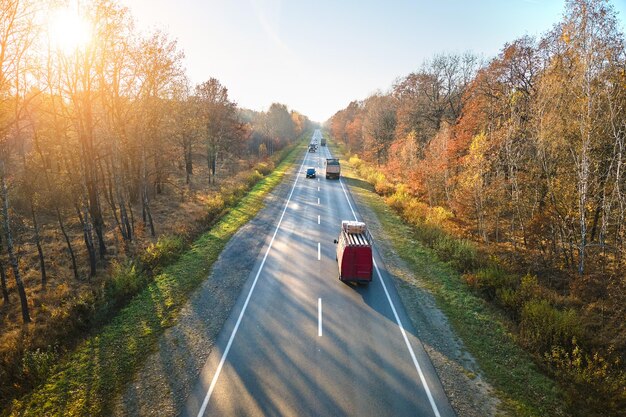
(68, 31)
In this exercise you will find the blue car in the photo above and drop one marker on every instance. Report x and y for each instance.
(310, 172)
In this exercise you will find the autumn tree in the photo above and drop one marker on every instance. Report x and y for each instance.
(17, 33)
(218, 121)
(379, 125)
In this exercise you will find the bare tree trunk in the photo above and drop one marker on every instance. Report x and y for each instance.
(115, 190)
(146, 213)
(188, 159)
(68, 242)
(128, 234)
(98, 223)
(42, 262)
(158, 178)
(212, 162)
(12, 258)
(91, 180)
(111, 199)
(3, 277)
(3, 281)
(87, 236)
(132, 218)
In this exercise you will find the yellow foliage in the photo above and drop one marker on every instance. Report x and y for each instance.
(438, 215)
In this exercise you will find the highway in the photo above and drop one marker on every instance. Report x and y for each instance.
(301, 343)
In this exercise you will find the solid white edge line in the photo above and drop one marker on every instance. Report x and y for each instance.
(319, 315)
(205, 403)
(395, 314)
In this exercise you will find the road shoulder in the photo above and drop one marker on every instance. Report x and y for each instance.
(169, 374)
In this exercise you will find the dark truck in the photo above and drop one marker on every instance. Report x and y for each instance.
(354, 253)
(333, 169)
(323, 141)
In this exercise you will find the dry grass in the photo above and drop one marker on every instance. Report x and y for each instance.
(84, 380)
(67, 308)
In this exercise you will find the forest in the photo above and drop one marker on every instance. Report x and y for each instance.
(110, 160)
(521, 159)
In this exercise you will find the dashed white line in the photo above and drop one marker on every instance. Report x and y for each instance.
(318, 219)
(319, 317)
(319, 251)
(318, 188)
(318, 201)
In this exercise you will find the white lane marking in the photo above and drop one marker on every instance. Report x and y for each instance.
(318, 201)
(318, 219)
(319, 317)
(205, 403)
(318, 188)
(319, 251)
(395, 314)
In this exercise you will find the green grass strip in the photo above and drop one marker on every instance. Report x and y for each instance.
(521, 386)
(86, 382)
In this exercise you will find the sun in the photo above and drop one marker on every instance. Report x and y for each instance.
(69, 32)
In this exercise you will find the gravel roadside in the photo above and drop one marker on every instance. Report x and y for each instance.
(168, 375)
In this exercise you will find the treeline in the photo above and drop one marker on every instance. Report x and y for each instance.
(103, 149)
(525, 154)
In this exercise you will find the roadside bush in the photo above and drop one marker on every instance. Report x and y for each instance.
(379, 181)
(543, 327)
(214, 208)
(124, 283)
(493, 280)
(163, 252)
(254, 177)
(508, 299)
(461, 253)
(356, 162)
(429, 234)
(37, 364)
(438, 215)
(601, 377)
(231, 195)
(399, 199)
(383, 186)
(415, 211)
(265, 168)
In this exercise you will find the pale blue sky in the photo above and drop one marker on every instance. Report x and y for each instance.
(317, 56)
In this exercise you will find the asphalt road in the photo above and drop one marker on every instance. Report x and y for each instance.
(301, 343)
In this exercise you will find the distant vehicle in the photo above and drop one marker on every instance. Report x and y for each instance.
(312, 148)
(310, 172)
(354, 253)
(323, 142)
(333, 169)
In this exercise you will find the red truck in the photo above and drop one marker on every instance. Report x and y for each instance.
(354, 252)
